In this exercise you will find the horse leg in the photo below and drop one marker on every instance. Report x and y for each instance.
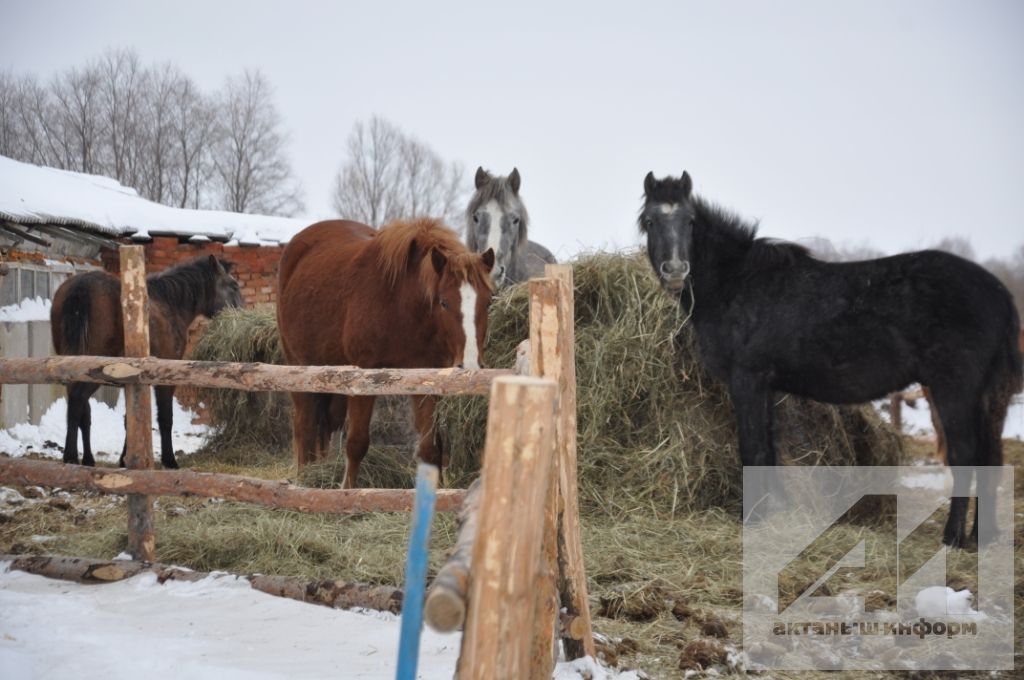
(429, 449)
(165, 421)
(304, 427)
(360, 411)
(958, 411)
(85, 423)
(73, 420)
(940, 433)
(992, 417)
(752, 403)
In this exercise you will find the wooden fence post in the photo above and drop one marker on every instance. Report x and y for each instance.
(896, 411)
(137, 399)
(553, 356)
(506, 553)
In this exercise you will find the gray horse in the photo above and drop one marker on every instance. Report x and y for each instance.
(496, 218)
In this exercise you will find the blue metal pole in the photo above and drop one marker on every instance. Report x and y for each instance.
(416, 572)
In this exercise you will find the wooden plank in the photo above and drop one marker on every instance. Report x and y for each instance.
(506, 554)
(274, 494)
(249, 376)
(337, 594)
(138, 399)
(572, 575)
(543, 363)
(445, 609)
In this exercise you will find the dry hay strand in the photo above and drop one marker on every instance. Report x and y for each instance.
(654, 430)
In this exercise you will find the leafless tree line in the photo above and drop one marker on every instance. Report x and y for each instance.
(153, 129)
(388, 175)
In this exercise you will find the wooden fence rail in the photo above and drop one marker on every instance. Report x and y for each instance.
(249, 376)
(275, 494)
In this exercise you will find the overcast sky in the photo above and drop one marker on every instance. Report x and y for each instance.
(892, 123)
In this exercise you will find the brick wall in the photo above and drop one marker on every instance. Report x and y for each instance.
(255, 266)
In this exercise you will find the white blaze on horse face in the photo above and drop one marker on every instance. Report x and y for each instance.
(669, 208)
(495, 214)
(471, 353)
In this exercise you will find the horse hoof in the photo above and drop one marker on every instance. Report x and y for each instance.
(169, 464)
(89, 462)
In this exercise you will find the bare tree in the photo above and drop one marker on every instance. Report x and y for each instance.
(194, 125)
(10, 137)
(249, 155)
(121, 76)
(77, 118)
(390, 175)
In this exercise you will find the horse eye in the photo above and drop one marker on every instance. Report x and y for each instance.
(476, 219)
(648, 223)
(444, 304)
(515, 221)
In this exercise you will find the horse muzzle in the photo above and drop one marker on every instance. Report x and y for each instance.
(674, 274)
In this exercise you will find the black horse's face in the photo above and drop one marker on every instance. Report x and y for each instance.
(667, 221)
(227, 292)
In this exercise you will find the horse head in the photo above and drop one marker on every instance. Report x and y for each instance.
(667, 221)
(224, 291)
(460, 289)
(496, 219)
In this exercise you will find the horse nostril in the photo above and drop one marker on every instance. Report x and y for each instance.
(667, 268)
(460, 366)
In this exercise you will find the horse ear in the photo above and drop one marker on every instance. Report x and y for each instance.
(438, 259)
(687, 183)
(482, 177)
(216, 265)
(488, 258)
(649, 182)
(514, 180)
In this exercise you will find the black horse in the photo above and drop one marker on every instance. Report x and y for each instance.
(86, 320)
(768, 316)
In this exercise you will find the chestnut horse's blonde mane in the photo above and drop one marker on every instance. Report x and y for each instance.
(394, 243)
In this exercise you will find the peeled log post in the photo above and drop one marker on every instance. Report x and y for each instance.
(506, 553)
(445, 609)
(276, 494)
(251, 377)
(336, 594)
(138, 399)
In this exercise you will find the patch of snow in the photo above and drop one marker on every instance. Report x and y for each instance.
(941, 601)
(107, 432)
(917, 419)
(124, 557)
(218, 628)
(927, 479)
(29, 309)
(32, 194)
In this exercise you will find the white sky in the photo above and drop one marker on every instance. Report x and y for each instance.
(867, 121)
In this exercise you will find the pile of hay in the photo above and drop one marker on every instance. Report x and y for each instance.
(654, 430)
(245, 419)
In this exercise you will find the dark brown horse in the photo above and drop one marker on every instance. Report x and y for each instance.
(407, 296)
(86, 320)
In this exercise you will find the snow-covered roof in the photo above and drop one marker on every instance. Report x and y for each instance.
(31, 194)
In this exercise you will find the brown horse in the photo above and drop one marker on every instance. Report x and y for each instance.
(407, 296)
(86, 320)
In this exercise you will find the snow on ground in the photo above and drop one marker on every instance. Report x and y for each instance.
(939, 601)
(917, 419)
(34, 194)
(29, 309)
(217, 628)
(107, 432)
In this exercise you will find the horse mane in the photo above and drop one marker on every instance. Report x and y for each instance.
(403, 243)
(737, 237)
(497, 189)
(181, 286)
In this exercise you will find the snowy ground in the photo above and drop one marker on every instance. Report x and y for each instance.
(107, 432)
(29, 309)
(216, 628)
(917, 419)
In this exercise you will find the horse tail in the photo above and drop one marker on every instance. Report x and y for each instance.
(1005, 378)
(74, 319)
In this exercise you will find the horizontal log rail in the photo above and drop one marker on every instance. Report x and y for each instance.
(248, 376)
(336, 594)
(276, 494)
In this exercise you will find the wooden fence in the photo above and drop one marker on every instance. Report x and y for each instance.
(526, 586)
